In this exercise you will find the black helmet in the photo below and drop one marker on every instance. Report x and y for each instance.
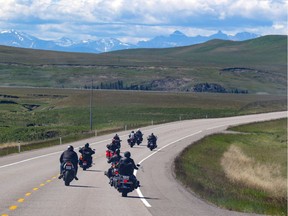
(87, 145)
(70, 148)
(127, 154)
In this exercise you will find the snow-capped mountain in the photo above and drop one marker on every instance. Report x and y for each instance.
(177, 38)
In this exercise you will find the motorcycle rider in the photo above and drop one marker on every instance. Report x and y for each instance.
(132, 134)
(132, 137)
(127, 166)
(112, 146)
(139, 135)
(114, 160)
(69, 155)
(116, 137)
(87, 153)
(152, 138)
(116, 141)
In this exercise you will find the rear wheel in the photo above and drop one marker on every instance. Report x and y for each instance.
(68, 177)
(124, 194)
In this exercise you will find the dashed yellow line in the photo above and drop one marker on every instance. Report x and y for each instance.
(21, 200)
(13, 207)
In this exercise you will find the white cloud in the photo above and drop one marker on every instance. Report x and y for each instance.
(142, 17)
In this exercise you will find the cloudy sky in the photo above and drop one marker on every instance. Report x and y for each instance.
(134, 20)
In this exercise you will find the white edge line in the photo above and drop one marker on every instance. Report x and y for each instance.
(146, 203)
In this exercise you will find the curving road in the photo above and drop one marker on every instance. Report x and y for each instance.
(29, 184)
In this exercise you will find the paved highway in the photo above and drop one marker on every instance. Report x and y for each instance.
(29, 185)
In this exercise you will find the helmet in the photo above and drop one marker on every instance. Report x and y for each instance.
(138, 129)
(87, 145)
(132, 131)
(70, 148)
(127, 154)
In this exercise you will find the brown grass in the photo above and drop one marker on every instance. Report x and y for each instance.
(242, 169)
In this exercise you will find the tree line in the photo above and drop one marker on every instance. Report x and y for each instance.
(119, 85)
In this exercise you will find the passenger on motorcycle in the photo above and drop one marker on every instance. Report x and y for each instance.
(87, 153)
(69, 155)
(127, 166)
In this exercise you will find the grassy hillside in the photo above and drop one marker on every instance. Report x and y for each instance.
(258, 65)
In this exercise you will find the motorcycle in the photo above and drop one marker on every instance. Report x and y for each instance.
(124, 183)
(84, 163)
(85, 160)
(68, 173)
(151, 145)
(113, 171)
(131, 141)
(139, 139)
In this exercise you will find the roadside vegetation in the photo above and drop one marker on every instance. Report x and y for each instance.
(245, 170)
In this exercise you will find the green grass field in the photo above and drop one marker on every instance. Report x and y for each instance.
(244, 172)
(31, 115)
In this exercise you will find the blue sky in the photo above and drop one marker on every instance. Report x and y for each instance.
(134, 20)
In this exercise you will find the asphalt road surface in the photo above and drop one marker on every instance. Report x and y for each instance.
(29, 185)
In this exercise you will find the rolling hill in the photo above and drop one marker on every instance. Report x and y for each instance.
(254, 66)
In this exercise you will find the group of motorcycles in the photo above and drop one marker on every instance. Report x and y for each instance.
(85, 162)
(120, 174)
(122, 179)
(137, 138)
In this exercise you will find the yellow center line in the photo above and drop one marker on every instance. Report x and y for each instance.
(21, 200)
(13, 207)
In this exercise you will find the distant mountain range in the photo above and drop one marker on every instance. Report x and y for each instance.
(176, 39)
